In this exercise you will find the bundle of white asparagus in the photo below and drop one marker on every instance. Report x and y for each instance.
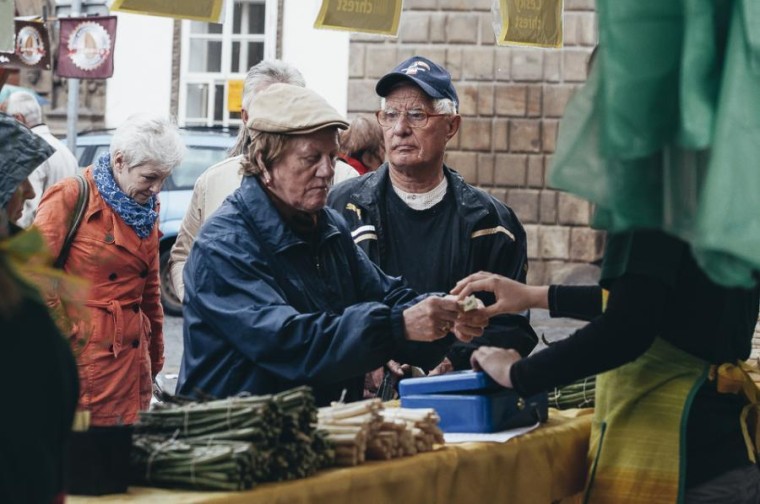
(348, 427)
(420, 423)
(365, 430)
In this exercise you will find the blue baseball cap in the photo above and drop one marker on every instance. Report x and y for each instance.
(432, 78)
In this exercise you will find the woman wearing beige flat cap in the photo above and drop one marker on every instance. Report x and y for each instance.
(278, 294)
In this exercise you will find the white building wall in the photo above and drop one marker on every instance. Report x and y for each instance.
(143, 60)
(321, 55)
(142, 77)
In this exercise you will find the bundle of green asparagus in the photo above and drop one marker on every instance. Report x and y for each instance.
(301, 450)
(217, 465)
(278, 430)
(579, 394)
(253, 418)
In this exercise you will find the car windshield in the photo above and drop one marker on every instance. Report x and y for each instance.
(196, 160)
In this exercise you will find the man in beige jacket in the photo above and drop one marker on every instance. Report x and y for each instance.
(221, 180)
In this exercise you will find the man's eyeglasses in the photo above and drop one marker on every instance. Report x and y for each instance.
(415, 118)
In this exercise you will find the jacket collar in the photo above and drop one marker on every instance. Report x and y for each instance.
(370, 191)
(120, 235)
(260, 213)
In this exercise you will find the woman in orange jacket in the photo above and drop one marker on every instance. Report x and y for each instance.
(118, 340)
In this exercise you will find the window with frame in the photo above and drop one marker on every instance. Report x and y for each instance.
(215, 54)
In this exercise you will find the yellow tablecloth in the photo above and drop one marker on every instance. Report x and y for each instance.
(544, 466)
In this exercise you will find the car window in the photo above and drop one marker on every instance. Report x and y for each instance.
(99, 151)
(195, 162)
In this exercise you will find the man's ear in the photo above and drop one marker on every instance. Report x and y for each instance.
(244, 117)
(454, 123)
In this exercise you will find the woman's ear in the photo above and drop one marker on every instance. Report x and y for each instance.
(265, 177)
(118, 161)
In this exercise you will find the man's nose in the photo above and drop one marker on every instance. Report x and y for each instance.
(402, 125)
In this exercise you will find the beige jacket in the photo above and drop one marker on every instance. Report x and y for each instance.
(211, 188)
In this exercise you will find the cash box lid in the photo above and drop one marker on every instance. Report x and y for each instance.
(458, 381)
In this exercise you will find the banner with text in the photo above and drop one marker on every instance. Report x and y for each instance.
(380, 17)
(85, 48)
(31, 48)
(209, 11)
(535, 23)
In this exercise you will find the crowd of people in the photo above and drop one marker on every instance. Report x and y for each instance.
(291, 273)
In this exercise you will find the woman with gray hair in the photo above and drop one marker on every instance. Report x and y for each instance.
(119, 342)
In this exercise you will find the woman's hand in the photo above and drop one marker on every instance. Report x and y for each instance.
(511, 296)
(496, 362)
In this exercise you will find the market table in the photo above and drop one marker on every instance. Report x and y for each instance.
(543, 466)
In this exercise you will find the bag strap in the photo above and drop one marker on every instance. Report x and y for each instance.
(81, 206)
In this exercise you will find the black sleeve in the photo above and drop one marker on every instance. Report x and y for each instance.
(582, 302)
(625, 331)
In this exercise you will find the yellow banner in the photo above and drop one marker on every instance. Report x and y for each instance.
(530, 23)
(210, 11)
(368, 16)
(235, 95)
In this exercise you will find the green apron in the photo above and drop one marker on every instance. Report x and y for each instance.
(637, 451)
(638, 434)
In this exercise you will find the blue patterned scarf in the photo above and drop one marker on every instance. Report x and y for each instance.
(139, 217)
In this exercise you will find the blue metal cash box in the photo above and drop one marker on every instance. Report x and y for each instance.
(470, 401)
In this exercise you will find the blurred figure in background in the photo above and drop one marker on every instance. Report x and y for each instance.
(221, 180)
(362, 145)
(41, 399)
(120, 343)
(25, 108)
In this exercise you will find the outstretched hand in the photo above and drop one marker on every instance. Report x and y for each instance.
(435, 317)
(431, 319)
(511, 296)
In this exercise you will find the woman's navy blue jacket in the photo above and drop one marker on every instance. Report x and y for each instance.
(266, 310)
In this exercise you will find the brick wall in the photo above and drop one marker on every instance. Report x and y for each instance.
(511, 101)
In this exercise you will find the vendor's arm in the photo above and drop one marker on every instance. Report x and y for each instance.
(583, 302)
(624, 332)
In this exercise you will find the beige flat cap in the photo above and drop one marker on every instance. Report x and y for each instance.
(292, 110)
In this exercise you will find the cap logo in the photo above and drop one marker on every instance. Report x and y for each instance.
(417, 66)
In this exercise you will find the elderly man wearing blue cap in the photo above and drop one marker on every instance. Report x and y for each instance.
(276, 292)
(417, 218)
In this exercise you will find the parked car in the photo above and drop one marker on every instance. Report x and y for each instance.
(205, 147)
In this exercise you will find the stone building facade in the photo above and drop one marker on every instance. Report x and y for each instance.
(511, 101)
